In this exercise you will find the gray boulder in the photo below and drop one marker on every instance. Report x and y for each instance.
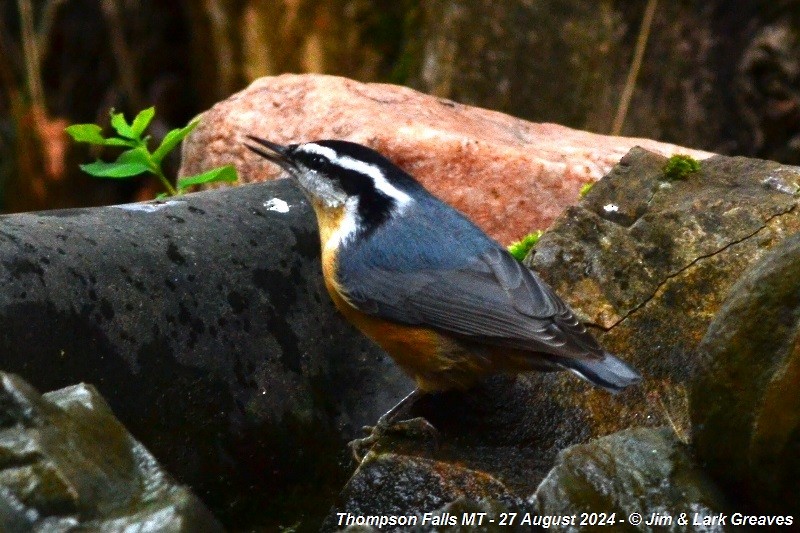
(204, 322)
(66, 464)
(745, 405)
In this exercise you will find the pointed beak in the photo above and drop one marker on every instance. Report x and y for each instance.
(274, 153)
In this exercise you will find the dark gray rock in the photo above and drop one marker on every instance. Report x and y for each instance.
(642, 471)
(433, 493)
(745, 405)
(204, 322)
(505, 430)
(66, 463)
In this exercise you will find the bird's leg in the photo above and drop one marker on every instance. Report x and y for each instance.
(386, 424)
(401, 408)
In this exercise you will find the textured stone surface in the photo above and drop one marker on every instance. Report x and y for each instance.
(745, 404)
(506, 429)
(205, 324)
(66, 463)
(634, 471)
(508, 175)
(418, 486)
(648, 262)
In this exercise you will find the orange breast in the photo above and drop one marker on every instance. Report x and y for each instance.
(416, 350)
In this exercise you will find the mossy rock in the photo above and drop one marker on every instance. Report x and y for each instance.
(647, 262)
(745, 404)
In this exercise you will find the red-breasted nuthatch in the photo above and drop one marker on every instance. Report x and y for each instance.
(448, 303)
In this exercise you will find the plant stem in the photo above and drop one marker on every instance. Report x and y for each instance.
(636, 64)
(33, 69)
(125, 58)
(165, 182)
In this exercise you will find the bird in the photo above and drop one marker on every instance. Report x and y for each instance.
(448, 303)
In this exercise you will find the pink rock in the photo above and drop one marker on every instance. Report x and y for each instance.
(508, 175)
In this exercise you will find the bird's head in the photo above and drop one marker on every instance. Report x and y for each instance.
(346, 177)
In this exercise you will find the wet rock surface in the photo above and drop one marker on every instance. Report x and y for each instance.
(508, 430)
(66, 464)
(205, 324)
(745, 402)
(644, 470)
(508, 175)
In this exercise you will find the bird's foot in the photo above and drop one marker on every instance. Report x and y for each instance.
(414, 428)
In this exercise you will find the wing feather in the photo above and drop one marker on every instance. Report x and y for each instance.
(491, 298)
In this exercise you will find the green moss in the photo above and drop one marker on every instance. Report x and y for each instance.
(679, 166)
(522, 247)
(586, 188)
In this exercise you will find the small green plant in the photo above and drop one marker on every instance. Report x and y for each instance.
(679, 166)
(522, 247)
(138, 159)
(586, 188)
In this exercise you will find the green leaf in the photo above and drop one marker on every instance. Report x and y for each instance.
(142, 120)
(116, 141)
(90, 133)
(115, 170)
(172, 139)
(226, 173)
(137, 155)
(86, 133)
(121, 125)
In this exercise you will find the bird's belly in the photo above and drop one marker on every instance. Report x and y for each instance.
(434, 361)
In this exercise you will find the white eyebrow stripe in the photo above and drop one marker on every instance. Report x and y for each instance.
(378, 178)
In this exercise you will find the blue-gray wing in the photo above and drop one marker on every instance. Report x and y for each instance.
(490, 298)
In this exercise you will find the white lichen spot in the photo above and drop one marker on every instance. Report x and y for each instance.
(611, 208)
(779, 185)
(149, 207)
(276, 204)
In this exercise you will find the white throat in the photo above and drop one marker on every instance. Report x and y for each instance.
(348, 227)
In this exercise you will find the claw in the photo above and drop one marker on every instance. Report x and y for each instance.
(384, 426)
(357, 446)
(415, 428)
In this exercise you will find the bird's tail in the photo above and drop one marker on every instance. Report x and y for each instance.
(610, 372)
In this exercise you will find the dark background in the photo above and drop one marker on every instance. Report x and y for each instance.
(721, 75)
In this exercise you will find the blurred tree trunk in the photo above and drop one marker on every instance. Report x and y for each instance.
(548, 60)
(720, 75)
(237, 41)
